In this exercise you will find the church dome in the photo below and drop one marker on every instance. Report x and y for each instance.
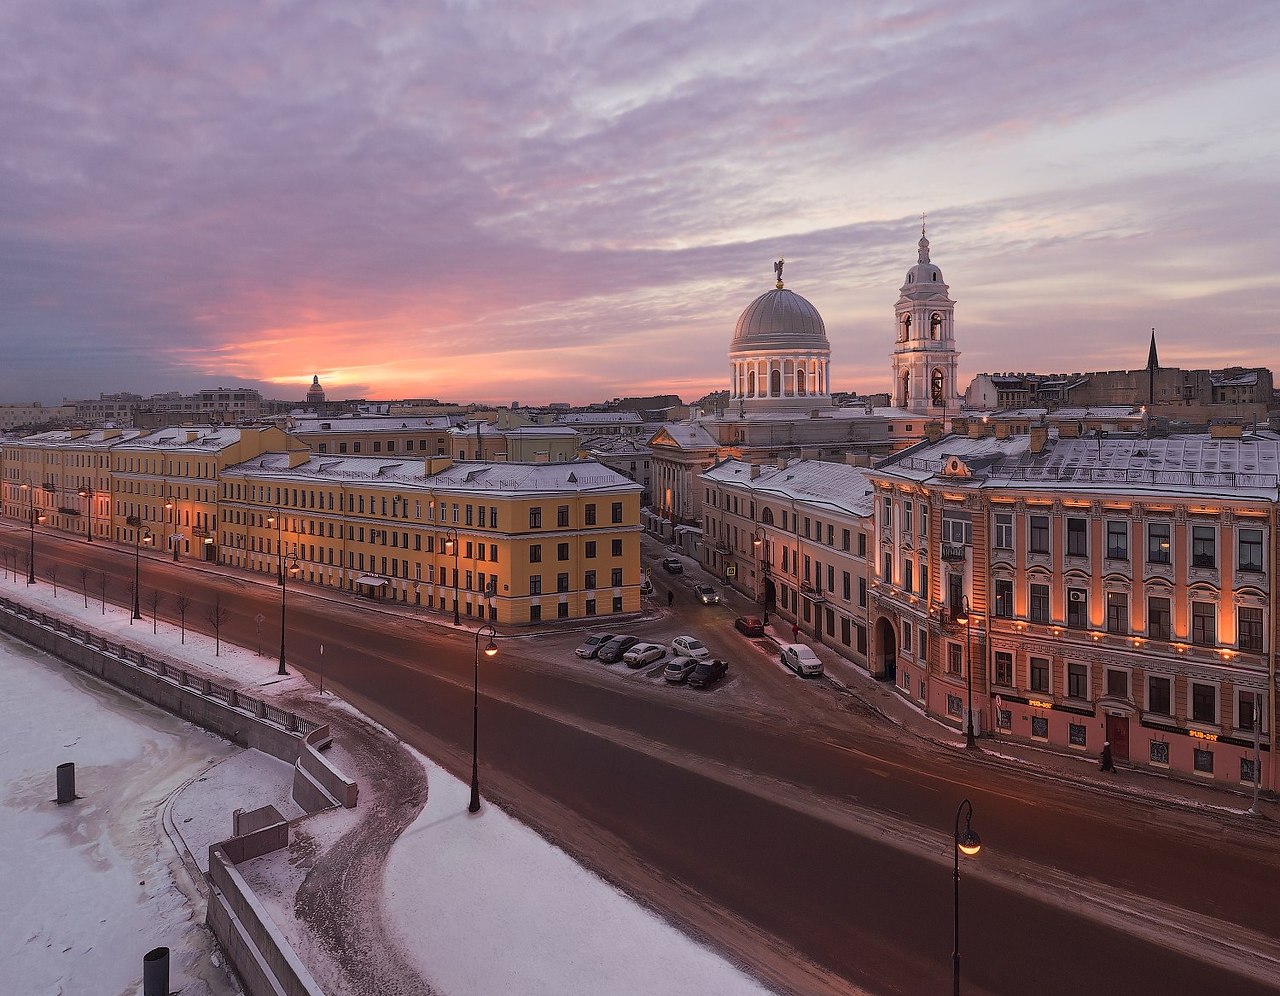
(924, 272)
(779, 320)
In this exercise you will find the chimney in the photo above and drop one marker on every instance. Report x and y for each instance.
(298, 457)
(1225, 430)
(933, 431)
(755, 471)
(1039, 437)
(858, 459)
(782, 463)
(1003, 430)
(437, 465)
(1069, 430)
(192, 435)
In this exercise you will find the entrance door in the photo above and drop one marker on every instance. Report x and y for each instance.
(888, 641)
(1118, 734)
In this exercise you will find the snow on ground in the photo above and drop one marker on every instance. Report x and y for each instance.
(482, 904)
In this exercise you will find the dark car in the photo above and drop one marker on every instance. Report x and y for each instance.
(672, 565)
(612, 651)
(750, 625)
(707, 672)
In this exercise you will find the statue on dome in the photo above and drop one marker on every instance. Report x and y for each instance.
(777, 268)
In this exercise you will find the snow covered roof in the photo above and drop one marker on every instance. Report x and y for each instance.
(600, 418)
(1235, 378)
(837, 486)
(1186, 465)
(75, 438)
(304, 424)
(200, 437)
(489, 478)
(618, 445)
(537, 431)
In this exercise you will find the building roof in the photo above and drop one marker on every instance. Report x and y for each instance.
(304, 424)
(508, 479)
(200, 437)
(535, 431)
(75, 438)
(600, 418)
(779, 320)
(837, 486)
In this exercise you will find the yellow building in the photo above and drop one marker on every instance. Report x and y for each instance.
(415, 436)
(508, 542)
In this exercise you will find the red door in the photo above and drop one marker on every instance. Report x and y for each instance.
(1118, 734)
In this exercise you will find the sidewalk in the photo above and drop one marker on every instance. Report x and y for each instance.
(1081, 768)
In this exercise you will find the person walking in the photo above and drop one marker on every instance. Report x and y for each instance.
(795, 631)
(671, 599)
(1106, 758)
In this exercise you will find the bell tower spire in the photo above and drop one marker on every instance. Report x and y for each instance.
(925, 357)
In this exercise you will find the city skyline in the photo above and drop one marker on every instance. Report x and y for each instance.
(571, 204)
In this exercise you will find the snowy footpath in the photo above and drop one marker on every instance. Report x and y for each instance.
(474, 905)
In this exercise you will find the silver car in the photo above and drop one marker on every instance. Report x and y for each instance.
(678, 669)
(592, 644)
(706, 594)
(644, 653)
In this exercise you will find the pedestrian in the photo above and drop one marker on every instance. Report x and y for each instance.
(795, 632)
(1106, 758)
(671, 599)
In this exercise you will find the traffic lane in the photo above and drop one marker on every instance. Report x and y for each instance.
(870, 912)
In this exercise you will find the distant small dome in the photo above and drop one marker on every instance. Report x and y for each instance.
(315, 395)
(924, 272)
(779, 320)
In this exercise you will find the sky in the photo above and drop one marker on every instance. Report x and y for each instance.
(571, 201)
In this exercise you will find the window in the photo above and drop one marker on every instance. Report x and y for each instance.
(1246, 711)
(1159, 752)
(1204, 619)
(862, 593)
(1204, 702)
(589, 608)
(1117, 540)
(1004, 668)
(1077, 538)
(1040, 674)
(1040, 603)
(1157, 542)
(1077, 681)
(562, 516)
(617, 513)
(906, 636)
(1160, 695)
(562, 551)
(923, 639)
(1117, 612)
(615, 577)
(562, 583)
(1004, 597)
(1040, 727)
(589, 514)
(1004, 530)
(1202, 760)
(535, 517)
(957, 528)
(955, 705)
(1117, 683)
(535, 553)
(1249, 628)
(589, 582)
(845, 586)
(535, 584)
(535, 613)
(1158, 618)
(1077, 735)
(1039, 534)
(616, 548)
(1249, 543)
(589, 550)
(1004, 719)
(617, 603)
(1203, 546)
(908, 575)
(862, 545)
(1077, 608)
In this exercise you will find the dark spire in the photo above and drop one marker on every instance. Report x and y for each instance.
(1153, 361)
(1153, 364)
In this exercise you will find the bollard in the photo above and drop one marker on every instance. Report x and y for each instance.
(155, 972)
(66, 782)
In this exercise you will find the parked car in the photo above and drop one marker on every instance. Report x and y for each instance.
(689, 647)
(612, 651)
(708, 672)
(706, 594)
(646, 586)
(749, 625)
(679, 668)
(641, 654)
(801, 659)
(592, 644)
(673, 565)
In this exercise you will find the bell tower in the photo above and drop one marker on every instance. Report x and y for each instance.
(924, 355)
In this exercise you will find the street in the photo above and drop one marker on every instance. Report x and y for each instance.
(776, 817)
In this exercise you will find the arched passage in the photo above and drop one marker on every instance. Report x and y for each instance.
(887, 646)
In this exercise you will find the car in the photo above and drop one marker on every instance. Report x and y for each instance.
(801, 659)
(689, 647)
(646, 586)
(749, 625)
(641, 654)
(592, 644)
(679, 668)
(612, 651)
(707, 672)
(706, 594)
(672, 565)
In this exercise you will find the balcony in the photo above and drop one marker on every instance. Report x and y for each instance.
(953, 552)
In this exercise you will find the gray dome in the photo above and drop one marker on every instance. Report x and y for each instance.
(779, 320)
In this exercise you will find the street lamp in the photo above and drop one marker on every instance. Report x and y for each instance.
(490, 650)
(760, 541)
(277, 520)
(31, 522)
(173, 533)
(963, 616)
(451, 545)
(140, 536)
(87, 495)
(970, 844)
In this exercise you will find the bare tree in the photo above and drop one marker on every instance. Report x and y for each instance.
(53, 578)
(183, 603)
(102, 590)
(85, 573)
(154, 598)
(217, 615)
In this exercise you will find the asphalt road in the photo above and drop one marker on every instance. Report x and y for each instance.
(775, 816)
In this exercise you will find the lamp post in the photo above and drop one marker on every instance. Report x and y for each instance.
(31, 523)
(760, 541)
(965, 616)
(451, 545)
(277, 520)
(490, 650)
(173, 533)
(140, 536)
(970, 844)
(87, 495)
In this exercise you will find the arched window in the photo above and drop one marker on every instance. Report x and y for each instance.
(936, 387)
(906, 389)
(751, 384)
(800, 381)
(906, 328)
(935, 324)
(775, 383)
(766, 515)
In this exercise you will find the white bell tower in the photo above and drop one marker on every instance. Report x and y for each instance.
(925, 356)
